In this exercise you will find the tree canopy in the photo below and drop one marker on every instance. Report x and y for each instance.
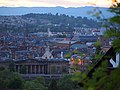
(113, 31)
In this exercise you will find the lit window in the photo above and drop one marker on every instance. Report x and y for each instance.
(72, 59)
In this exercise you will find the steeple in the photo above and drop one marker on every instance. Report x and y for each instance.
(49, 32)
(47, 54)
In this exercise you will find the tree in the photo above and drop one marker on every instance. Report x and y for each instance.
(23, 69)
(11, 67)
(4, 78)
(30, 85)
(37, 84)
(99, 77)
(16, 82)
(68, 55)
(102, 78)
(67, 82)
(98, 53)
(113, 31)
(40, 80)
(10, 80)
(53, 85)
(81, 54)
(98, 45)
(114, 77)
(2, 68)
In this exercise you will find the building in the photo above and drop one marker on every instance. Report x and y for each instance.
(46, 66)
(78, 64)
(31, 68)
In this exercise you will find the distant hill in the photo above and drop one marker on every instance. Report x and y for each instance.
(80, 11)
(41, 22)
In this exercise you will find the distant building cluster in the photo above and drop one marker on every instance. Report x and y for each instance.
(46, 54)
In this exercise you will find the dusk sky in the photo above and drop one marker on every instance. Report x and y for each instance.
(52, 3)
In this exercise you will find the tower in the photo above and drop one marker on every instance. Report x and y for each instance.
(47, 54)
(49, 32)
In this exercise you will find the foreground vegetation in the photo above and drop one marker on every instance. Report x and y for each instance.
(101, 80)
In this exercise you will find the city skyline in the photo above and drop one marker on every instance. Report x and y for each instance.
(54, 3)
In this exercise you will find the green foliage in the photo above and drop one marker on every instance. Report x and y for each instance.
(116, 44)
(98, 78)
(11, 66)
(2, 68)
(78, 53)
(68, 83)
(68, 55)
(31, 85)
(4, 78)
(115, 77)
(53, 69)
(16, 82)
(37, 84)
(115, 9)
(98, 54)
(53, 85)
(114, 32)
(78, 76)
(23, 69)
(40, 80)
(115, 19)
(102, 79)
(98, 44)
(75, 68)
(61, 36)
(10, 80)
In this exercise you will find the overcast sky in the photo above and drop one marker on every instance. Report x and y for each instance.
(52, 3)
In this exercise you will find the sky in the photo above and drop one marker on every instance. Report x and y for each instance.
(53, 3)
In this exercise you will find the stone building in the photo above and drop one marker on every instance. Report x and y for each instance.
(34, 67)
(46, 66)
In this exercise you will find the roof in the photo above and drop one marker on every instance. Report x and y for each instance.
(47, 54)
(42, 60)
(74, 46)
(67, 42)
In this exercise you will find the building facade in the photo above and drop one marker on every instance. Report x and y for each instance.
(31, 68)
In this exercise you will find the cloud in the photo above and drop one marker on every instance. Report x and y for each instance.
(65, 3)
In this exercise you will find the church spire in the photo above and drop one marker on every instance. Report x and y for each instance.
(47, 54)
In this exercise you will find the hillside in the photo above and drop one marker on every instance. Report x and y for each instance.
(41, 22)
